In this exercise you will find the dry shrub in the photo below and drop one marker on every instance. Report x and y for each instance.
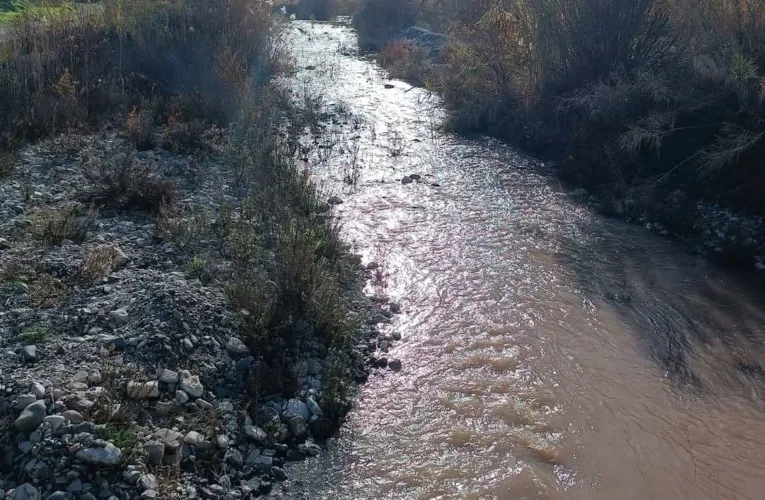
(77, 69)
(47, 291)
(54, 226)
(139, 128)
(126, 183)
(379, 21)
(98, 262)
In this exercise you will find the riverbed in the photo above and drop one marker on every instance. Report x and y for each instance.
(548, 352)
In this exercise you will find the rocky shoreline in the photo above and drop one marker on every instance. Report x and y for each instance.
(125, 370)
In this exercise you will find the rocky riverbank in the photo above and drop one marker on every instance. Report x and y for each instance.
(128, 366)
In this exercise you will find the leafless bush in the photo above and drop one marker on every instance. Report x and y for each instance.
(126, 183)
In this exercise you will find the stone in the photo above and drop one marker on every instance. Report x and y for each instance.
(31, 417)
(314, 406)
(4, 245)
(296, 407)
(193, 437)
(263, 463)
(94, 377)
(407, 180)
(294, 455)
(310, 449)
(278, 473)
(25, 400)
(75, 486)
(88, 427)
(72, 416)
(37, 389)
(222, 441)
(204, 405)
(25, 492)
(149, 494)
(297, 426)
(181, 397)
(55, 421)
(37, 469)
(170, 438)
(234, 458)
(120, 258)
(143, 390)
(168, 376)
(255, 433)
(59, 495)
(119, 317)
(252, 456)
(29, 353)
(147, 482)
(394, 364)
(115, 343)
(155, 452)
(335, 200)
(191, 385)
(107, 456)
(395, 307)
(236, 346)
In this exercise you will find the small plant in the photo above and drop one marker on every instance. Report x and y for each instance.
(70, 223)
(139, 128)
(123, 436)
(98, 262)
(47, 291)
(34, 334)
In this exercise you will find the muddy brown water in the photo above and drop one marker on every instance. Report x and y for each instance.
(547, 352)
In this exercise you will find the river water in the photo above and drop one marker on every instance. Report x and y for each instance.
(548, 352)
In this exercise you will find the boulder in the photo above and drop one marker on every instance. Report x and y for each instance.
(143, 390)
(107, 456)
(191, 385)
(31, 417)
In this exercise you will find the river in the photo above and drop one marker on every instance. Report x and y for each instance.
(548, 352)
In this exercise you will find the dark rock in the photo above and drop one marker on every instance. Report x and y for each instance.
(278, 473)
(323, 429)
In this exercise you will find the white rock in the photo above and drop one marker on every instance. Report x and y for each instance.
(37, 389)
(108, 456)
(80, 377)
(143, 390)
(119, 316)
(191, 385)
(236, 346)
(193, 437)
